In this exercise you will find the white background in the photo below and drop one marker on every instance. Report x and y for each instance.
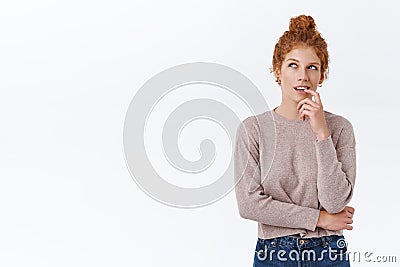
(68, 71)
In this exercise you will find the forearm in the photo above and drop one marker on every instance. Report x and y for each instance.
(264, 209)
(335, 180)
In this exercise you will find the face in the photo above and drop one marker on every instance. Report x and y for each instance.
(300, 68)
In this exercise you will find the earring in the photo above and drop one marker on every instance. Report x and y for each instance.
(320, 85)
(278, 81)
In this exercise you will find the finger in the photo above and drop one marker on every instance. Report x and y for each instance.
(348, 227)
(307, 107)
(308, 101)
(349, 214)
(351, 210)
(349, 221)
(309, 91)
(315, 94)
(305, 113)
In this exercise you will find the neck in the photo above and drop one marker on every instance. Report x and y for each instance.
(288, 110)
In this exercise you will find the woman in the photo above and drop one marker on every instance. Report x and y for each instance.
(297, 187)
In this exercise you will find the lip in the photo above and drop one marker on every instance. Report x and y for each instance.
(302, 85)
(301, 91)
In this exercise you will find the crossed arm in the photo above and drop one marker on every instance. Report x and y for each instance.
(335, 183)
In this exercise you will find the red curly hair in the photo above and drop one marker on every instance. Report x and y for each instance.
(302, 32)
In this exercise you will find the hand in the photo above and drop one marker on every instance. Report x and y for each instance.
(337, 221)
(315, 112)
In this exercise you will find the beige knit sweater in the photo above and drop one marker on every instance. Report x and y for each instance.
(283, 182)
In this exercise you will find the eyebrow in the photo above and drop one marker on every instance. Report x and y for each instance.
(315, 63)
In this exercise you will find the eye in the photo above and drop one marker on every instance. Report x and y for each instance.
(292, 65)
(312, 67)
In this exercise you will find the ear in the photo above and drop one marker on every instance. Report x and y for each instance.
(321, 79)
(277, 73)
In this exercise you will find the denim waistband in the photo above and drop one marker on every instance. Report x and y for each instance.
(300, 242)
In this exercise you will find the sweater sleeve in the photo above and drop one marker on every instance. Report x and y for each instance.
(253, 203)
(336, 170)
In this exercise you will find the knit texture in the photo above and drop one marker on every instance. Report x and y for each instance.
(284, 176)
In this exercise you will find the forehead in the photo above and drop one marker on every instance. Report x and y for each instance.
(303, 54)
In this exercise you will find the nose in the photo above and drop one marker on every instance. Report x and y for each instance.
(303, 75)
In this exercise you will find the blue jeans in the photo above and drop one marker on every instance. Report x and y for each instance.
(301, 252)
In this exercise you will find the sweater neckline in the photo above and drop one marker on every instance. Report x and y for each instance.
(283, 119)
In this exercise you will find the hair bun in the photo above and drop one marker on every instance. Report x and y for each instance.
(302, 23)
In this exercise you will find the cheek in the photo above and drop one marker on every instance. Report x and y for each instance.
(287, 75)
(315, 76)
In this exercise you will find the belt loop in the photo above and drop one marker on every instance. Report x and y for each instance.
(325, 241)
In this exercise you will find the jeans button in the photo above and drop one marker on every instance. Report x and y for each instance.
(301, 242)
